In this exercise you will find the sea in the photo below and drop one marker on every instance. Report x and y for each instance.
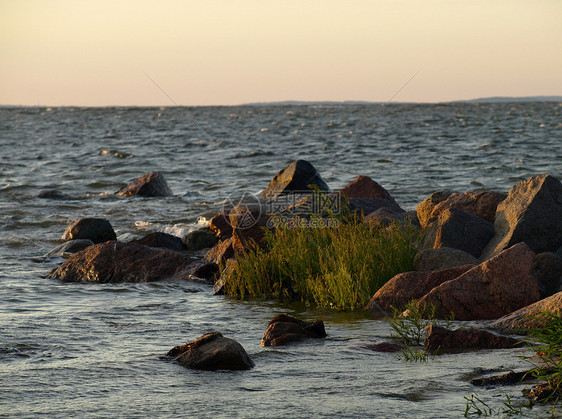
(98, 350)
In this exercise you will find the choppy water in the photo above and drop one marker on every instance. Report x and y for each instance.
(96, 350)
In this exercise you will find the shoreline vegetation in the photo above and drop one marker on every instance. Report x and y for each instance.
(475, 255)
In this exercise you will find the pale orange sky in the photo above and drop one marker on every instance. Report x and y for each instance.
(96, 52)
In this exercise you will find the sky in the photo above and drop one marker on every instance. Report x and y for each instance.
(166, 52)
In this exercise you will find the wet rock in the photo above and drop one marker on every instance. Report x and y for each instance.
(52, 194)
(204, 270)
(229, 267)
(542, 392)
(548, 272)
(384, 347)
(220, 225)
(529, 317)
(200, 239)
(438, 339)
(164, 240)
(490, 290)
(509, 379)
(408, 286)
(222, 251)
(70, 247)
(457, 229)
(365, 187)
(123, 262)
(150, 185)
(212, 352)
(297, 176)
(284, 329)
(98, 230)
(480, 203)
(531, 213)
(249, 228)
(429, 260)
(425, 207)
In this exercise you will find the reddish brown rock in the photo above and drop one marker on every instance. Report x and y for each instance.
(296, 177)
(529, 317)
(249, 227)
(163, 240)
(221, 282)
(150, 185)
(429, 260)
(438, 339)
(222, 251)
(123, 262)
(220, 225)
(283, 329)
(480, 203)
(408, 286)
(365, 187)
(531, 213)
(425, 207)
(98, 230)
(212, 352)
(490, 290)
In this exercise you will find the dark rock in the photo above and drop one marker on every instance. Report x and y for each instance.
(457, 229)
(72, 246)
(150, 185)
(408, 286)
(365, 187)
(163, 240)
(490, 290)
(296, 177)
(425, 207)
(212, 352)
(98, 230)
(385, 215)
(384, 347)
(283, 329)
(542, 392)
(220, 225)
(438, 339)
(122, 262)
(249, 229)
(366, 206)
(429, 260)
(229, 267)
(480, 203)
(200, 239)
(222, 251)
(531, 213)
(548, 271)
(509, 379)
(52, 194)
(204, 270)
(529, 317)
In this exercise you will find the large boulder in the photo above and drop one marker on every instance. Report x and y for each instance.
(200, 239)
(98, 230)
(457, 229)
(163, 240)
(548, 271)
(249, 228)
(440, 340)
(480, 203)
(531, 213)
(283, 329)
(220, 225)
(429, 260)
(425, 208)
(365, 187)
(296, 177)
(408, 286)
(152, 184)
(529, 317)
(490, 290)
(212, 352)
(123, 262)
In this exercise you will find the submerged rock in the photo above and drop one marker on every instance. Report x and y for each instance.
(429, 260)
(284, 329)
(98, 230)
(296, 177)
(212, 352)
(163, 240)
(150, 185)
(52, 194)
(490, 290)
(438, 339)
(508, 379)
(122, 262)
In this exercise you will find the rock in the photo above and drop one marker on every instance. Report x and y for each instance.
(408, 286)
(204, 270)
(425, 207)
(150, 185)
(548, 272)
(122, 262)
(296, 177)
(283, 329)
(98, 230)
(384, 216)
(438, 339)
(249, 229)
(480, 203)
(531, 213)
(220, 225)
(200, 239)
(457, 229)
(212, 352)
(429, 260)
(529, 317)
(366, 206)
(490, 290)
(52, 194)
(384, 347)
(163, 240)
(229, 267)
(222, 251)
(511, 378)
(365, 187)
(70, 247)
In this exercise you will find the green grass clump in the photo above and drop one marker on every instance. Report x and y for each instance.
(338, 266)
